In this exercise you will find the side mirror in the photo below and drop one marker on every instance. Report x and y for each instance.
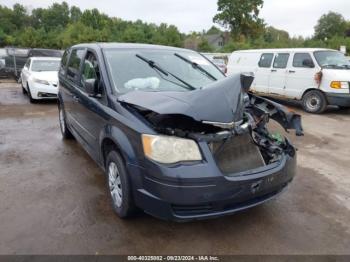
(247, 81)
(91, 87)
(308, 63)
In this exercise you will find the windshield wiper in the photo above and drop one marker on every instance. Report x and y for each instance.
(154, 65)
(197, 66)
(333, 66)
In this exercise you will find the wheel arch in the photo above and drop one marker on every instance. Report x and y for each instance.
(114, 138)
(312, 89)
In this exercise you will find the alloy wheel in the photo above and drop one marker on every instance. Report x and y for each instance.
(115, 185)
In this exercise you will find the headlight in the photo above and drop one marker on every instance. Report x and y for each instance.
(39, 81)
(339, 85)
(169, 150)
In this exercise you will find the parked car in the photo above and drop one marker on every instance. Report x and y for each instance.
(317, 77)
(39, 78)
(175, 137)
(17, 57)
(221, 64)
(2, 62)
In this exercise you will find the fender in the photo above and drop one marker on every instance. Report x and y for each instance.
(286, 118)
(121, 141)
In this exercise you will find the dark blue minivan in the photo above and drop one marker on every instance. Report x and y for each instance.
(175, 137)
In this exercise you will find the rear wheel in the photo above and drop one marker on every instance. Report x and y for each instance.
(66, 134)
(119, 185)
(314, 102)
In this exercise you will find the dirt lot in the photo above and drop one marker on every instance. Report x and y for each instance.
(53, 198)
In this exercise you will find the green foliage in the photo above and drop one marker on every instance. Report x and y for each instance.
(330, 25)
(60, 26)
(213, 30)
(204, 46)
(241, 16)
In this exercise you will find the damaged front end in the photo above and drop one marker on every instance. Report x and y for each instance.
(228, 119)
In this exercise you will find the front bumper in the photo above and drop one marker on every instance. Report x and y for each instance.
(161, 192)
(40, 91)
(338, 99)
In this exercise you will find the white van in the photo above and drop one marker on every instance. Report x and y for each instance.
(317, 77)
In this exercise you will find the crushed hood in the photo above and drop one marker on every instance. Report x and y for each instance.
(220, 101)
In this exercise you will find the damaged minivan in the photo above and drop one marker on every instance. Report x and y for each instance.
(175, 137)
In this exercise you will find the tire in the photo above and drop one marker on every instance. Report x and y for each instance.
(31, 99)
(66, 134)
(119, 186)
(23, 89)
(314, 102)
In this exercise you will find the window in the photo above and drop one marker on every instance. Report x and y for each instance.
(64, 62)
(266, 60)
(281, 61)
(300, 58)
(74, 64)
(27, 65)
(90, 69)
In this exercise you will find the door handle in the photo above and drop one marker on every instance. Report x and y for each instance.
(273, 70)
(76, 98)
(291, 71)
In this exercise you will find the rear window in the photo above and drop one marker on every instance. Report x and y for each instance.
(281, 61)
(74, 64)
(45, 52)
(266, 60)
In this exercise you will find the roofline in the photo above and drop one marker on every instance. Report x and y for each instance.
(116, 45)
(286, 49)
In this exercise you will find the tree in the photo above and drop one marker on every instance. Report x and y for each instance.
(272, 35)
(213, 30)
(19, 16)
(241, 16)
(75, 14)
(204, 46)
(330, 25)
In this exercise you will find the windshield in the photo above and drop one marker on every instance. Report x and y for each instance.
(45, 65)
(158, 70)
(332, 59)
(219, 61)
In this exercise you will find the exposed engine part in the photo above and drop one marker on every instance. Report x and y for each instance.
(238, 146)
(237, 154)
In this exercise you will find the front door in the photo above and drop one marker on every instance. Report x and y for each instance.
(91, 110)
(300, 76)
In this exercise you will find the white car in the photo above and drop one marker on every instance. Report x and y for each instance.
(39, 78)
(317, 77)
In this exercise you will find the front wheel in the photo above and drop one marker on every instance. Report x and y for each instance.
(119, 185)
(31, 99)
(24, 91)
(66, 134)
(314, 102)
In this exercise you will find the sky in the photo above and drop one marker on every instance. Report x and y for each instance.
(298, 17)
